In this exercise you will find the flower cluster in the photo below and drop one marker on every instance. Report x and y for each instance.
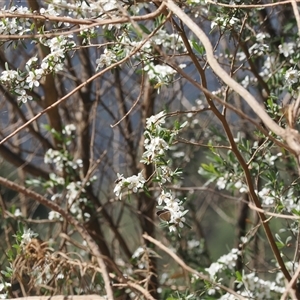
(16, 25)
(81, 9)
(225, 262)
(225, 21)
(159, 73)
(174, 208)
(4, 290)
(133, 183)
(67, 187)
(157, 141)
(106, 59)
(27, 236)
(19, 82)
(60, 159)
(264, 289)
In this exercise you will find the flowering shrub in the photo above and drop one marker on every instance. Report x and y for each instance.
(197, 201)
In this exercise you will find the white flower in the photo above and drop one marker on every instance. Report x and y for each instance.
(266, 196)
(159, 73)
(17, 213)
(73, 190)
(227, 261)
(57, 179)
(27, 236)
(286, 49)
(221, 183)
(291, 76)
(68, 130)
(34, 77)
(2, 285)
(156, 120)
(138, 252)
(119, 185)
(106, 59)
(23, 97)
(9, 75)
(154, 147)
(54, 215)
(135, 182)
(32, 60)
(258, 49)
(261, 36)
(164, 197)
(246, 81)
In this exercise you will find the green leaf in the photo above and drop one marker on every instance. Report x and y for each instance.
(198, 48)
(239, 277)
(209, 168)
(144, 29)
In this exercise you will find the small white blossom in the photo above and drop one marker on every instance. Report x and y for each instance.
(133, 183)
(31, 61)
(27, 236)
(119, 185)
(23, 97)
(286, 49)
(17, 213)
(291, 76)
(266, 196)
(34, 77)
(227, 261)
(106, 59)
(68, 130)
(53, 215)
(154, 147)
(156, 120)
